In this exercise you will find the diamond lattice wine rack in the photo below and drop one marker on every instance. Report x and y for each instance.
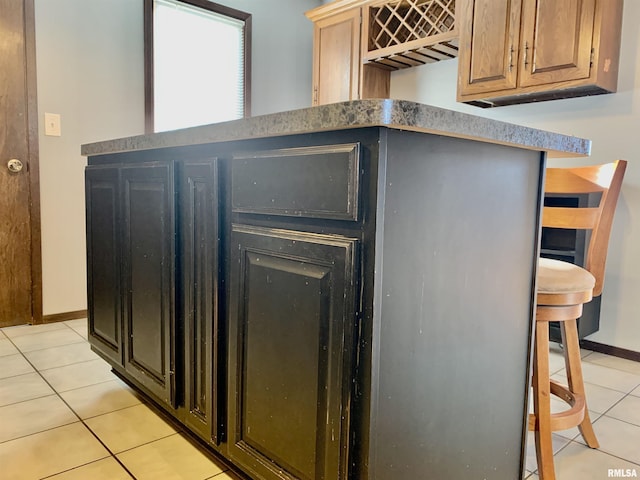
(406, 33)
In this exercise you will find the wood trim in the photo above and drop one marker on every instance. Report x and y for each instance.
(334, 8)
(33, 162)
(610, 350)
(61, 317)
(216, 7)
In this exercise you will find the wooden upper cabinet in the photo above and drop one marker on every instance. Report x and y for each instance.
(338, 70)
(491, 43)
(519, 51)
(557, 40)
(336, 58)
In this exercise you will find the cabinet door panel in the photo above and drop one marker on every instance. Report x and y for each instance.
(148, 260)
(291, 329)
(200, 282)
(489, 38)
(103, 261)
(558, 40)
(337, 58)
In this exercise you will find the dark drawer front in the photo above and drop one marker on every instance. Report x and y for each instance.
(315, 182)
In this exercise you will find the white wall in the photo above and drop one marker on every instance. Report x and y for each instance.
(612, 122)
(89, 67)
(90, 71)
(281, 53)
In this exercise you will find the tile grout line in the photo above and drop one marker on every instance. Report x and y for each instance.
(74, 413)
(30, 335)
(600, 451)
(607, 388)
(54, 390)
(81, 420)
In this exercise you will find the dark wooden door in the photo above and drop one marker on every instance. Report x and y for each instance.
(148, 254)
(489, 38)
(102, 190)
(558, 39)
(20, 260)
(292, 318)
(199, 260)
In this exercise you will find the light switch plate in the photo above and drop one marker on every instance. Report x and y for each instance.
(52, 125)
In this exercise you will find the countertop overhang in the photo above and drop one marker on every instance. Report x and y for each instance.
(396, 114)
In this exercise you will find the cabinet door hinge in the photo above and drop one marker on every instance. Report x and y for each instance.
(593, 54)
(511, 58)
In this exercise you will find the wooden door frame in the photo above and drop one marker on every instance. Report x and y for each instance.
(33, 164)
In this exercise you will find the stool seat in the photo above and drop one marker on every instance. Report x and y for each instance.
(558, 277)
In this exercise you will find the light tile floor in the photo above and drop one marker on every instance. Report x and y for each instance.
(65, 416)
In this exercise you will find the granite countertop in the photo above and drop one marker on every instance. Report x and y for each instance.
(397, 114)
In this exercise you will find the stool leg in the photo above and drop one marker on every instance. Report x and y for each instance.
(573, 364)
(542, 403)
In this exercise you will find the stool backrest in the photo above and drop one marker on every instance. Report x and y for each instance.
(605, 178)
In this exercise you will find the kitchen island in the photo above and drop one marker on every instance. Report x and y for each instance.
(343, 291)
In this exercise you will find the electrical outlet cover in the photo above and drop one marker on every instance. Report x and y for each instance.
(52, 126)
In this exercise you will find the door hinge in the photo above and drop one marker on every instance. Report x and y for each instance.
(593, 54)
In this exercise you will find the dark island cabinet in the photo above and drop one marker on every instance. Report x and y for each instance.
(199, 237)
(140, 234)
(102, 192)
(313, 300)
(148, 253)
(292, 319)
(130, 235)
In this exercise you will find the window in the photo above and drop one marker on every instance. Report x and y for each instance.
(197, 63)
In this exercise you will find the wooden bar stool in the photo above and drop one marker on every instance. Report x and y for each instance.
(562, 290)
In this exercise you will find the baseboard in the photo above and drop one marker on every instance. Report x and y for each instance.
(61, 317)
(610, 350)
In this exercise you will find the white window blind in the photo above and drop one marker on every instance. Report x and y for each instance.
(198, 63)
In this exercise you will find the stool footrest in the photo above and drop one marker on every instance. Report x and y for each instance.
(567, 418)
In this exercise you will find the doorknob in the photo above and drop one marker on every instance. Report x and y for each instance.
(14, 165)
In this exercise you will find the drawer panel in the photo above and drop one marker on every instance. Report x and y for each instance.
(315, 182)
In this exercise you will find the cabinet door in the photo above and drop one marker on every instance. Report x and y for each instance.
(489, 43)
(292, 318)
(103, 261)
(199, 258)
(148, 276)
(557, 40)
(336, 58)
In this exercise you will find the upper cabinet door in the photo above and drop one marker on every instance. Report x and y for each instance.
(557, 40)
(489, 43)
(336, 72)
